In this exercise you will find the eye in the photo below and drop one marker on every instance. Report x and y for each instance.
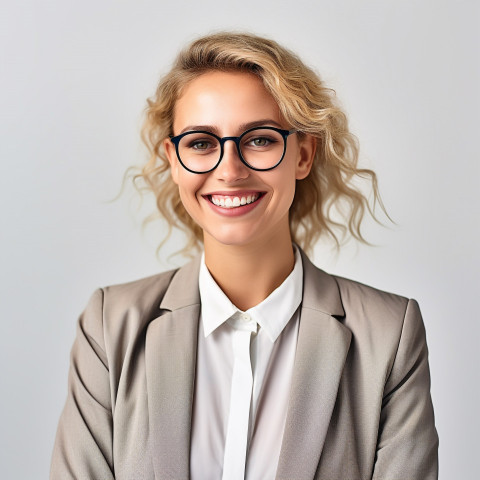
(199, 144)
(260, 142)
(262, 138)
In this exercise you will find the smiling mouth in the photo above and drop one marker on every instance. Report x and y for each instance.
(234, 201)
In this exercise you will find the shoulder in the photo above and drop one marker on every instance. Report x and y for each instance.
(134, 304)
(373, 316)
(343, 297)
(378, 320)
(357, 296)
(381, 324)
(142, 294)
(125, 308)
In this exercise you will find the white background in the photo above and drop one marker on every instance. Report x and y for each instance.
(74, 79)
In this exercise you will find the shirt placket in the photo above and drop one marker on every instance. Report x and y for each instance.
(240, 399)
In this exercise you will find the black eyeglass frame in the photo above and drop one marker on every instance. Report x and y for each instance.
(285, 134)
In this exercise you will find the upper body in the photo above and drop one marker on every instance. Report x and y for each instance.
(359, 403)
(249, 153)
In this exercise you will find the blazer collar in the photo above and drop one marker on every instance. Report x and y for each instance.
(183, 289)
(322, 348)
(171, 348)
(320, 290)
(170, 356)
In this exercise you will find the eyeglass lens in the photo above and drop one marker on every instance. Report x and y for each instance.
(260, 148)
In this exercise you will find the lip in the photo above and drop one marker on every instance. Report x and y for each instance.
(235, 211)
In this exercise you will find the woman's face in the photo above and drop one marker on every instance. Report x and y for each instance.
(227, 104)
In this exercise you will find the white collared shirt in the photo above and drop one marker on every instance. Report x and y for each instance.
(274, 328)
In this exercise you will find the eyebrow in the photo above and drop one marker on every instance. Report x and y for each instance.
(241, 128)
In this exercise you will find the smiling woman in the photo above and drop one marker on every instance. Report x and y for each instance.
(237, 169)
(249, 362)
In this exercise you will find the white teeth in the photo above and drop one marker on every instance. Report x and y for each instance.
(229, 202)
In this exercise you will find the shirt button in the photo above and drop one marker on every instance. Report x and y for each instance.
(245, 317)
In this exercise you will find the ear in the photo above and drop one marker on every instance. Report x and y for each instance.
(306, 153)
(171, 154)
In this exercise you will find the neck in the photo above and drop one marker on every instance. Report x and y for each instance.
(248, 274)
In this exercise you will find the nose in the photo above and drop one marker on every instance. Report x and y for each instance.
(231, 168)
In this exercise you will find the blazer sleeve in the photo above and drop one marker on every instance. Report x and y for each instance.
(83, 444)
(407, 442)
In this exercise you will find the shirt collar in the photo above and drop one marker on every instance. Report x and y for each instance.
(216, 307)
(272, 314)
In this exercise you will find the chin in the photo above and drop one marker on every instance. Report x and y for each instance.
(231, 237)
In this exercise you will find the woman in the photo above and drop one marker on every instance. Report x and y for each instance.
(249, 362)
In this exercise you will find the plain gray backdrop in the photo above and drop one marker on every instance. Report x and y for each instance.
(75, 76)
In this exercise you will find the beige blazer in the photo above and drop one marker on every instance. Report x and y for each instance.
(359, 406)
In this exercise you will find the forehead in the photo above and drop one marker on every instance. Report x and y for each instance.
(224, 100)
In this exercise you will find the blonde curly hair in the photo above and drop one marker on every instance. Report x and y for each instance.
(327, 202)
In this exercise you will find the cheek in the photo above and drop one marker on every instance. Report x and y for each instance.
(189, 203)
(285, 184)
(188, 186)
(286, 190)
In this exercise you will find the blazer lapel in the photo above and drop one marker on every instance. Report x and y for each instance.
(322, 348)
(170, 355)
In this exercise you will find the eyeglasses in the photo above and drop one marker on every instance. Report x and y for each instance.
(259, 148)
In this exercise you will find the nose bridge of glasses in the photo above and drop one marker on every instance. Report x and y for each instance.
(236, 146)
